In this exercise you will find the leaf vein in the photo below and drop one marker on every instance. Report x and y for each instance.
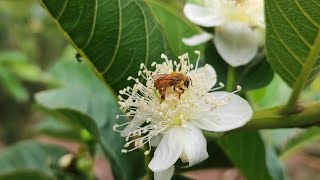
(93, 25)
(118, 40)
(293, 27)
(62, 10)
(306, 14)
(283, 43)
(78, 19)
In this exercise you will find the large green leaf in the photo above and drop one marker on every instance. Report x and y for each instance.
(293, 39)
(29, 160)
(175, 26)
(114, 36)
(84, 100)
(248, 152)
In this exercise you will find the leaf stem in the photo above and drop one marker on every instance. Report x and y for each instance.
(303, 76)
(230, 78)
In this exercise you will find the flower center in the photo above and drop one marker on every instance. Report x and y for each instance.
(152, 115)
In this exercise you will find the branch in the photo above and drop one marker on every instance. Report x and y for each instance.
(273, 118)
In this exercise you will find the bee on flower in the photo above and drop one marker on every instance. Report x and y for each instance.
(171, 117)
(239, 27)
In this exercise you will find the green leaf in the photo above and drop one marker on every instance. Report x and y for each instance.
(256, 74)
(249, 153)
(87, 102)
(29, 160)
(13, 85)
(175, 26)
(265, 97)
(61, 128)
(293, 39)
(113, 36)
(299, 140)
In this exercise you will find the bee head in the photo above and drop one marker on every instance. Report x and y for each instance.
(187, 82)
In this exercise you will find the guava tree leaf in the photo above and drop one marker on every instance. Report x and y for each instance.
(249, 153)
(29, 160)
(84, 100)
(113, 36)
(293, 39)
(175, 27)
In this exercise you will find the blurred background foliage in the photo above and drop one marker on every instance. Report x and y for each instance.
(29, 43)
(34, 56)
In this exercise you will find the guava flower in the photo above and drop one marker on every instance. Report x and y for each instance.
(239, 27)
(174, 124)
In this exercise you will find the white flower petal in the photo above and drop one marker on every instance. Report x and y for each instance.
(194, 145)
(260, 35)
(236, 43)
(197, 39)
(167, 152)
(164, 175)
(207, 17)
(155, 140)
(234, 114)
(205, 76)
(137, 120)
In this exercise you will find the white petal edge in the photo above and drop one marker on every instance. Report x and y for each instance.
(204, 76)
(167, 152)
(197, 39)
(194, 145)
(237, 43)
(202, 16)
(164, 175)
(137, 120)
(236, 113)
(155, 140)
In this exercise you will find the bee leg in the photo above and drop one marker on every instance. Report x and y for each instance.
(181, 91)
(162, 93)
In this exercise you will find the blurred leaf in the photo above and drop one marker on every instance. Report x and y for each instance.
(306, 137)
(114, 36)
(20, 65)
(265, 97)
(256, 74)
(29, 160)
(175, 26)
(278, 138)
(12, 85)
(293, 39)
(249, 153)
(311, 93)
(60, 127)
(87, 102)
(15, 68)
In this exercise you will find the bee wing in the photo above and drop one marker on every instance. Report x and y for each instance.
(160, 76)
(165, 80)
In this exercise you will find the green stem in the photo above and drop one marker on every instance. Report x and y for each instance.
(303, 76)
(230, 79)
(271, 118)
(148, 175)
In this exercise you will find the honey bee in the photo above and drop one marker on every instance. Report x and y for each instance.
(179, 81)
